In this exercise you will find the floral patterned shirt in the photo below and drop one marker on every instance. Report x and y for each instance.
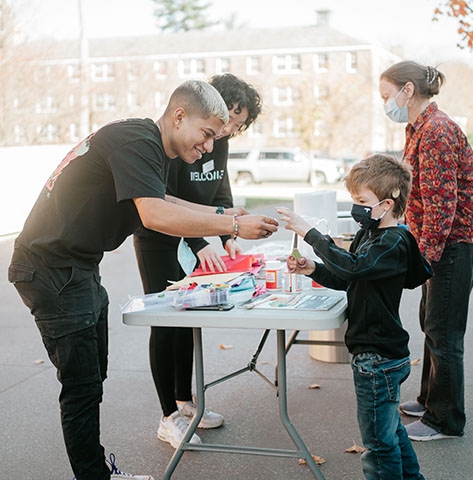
(440, 208)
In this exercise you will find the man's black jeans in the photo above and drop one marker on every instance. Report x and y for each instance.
(70, 308)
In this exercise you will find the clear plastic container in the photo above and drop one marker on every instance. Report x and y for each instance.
(201, 296)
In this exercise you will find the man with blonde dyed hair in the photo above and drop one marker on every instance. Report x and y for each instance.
(106, 187)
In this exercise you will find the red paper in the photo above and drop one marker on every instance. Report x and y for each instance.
(241, 263)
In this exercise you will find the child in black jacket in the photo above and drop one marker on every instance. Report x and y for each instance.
(383, 260)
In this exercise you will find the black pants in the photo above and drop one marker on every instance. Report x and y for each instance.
(70, 308)
(170, 348)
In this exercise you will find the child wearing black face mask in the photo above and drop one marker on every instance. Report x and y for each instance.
(383, 260)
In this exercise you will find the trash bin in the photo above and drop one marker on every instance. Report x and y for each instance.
(330, 353)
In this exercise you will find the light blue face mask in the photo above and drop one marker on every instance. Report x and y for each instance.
(186, 257)
(395, 112)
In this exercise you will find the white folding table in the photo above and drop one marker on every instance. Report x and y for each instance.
(158, 311)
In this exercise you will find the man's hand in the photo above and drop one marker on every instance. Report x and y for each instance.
(253, 227)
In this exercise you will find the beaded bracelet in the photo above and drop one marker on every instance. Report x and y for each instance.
(235, 227)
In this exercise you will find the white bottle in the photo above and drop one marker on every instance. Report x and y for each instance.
(273, 275)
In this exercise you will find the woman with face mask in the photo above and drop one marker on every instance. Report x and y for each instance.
(439, 214)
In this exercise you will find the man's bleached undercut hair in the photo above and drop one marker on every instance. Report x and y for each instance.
(199, 98)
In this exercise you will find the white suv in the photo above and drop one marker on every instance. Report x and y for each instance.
(268, 165)
(329, 170)
(282, 165)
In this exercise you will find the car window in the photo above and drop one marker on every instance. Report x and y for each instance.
(237, 155)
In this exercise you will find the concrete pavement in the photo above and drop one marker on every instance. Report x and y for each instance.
(32, 446)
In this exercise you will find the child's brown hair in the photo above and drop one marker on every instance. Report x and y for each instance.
(385, 176)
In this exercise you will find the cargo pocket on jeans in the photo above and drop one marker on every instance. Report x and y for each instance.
(72, 345)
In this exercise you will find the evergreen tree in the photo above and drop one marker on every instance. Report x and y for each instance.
(182, 15)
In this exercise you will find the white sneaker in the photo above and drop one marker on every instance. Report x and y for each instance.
(117, 474)
(173, 428)
(209, 419)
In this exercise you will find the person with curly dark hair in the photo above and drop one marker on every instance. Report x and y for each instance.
(205, 182)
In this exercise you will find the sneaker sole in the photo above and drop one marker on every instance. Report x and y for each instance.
(411, 413)
(205, 424)
(170, 440)
(165, 438)
(437, 436)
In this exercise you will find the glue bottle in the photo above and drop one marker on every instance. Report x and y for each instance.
(273, 275)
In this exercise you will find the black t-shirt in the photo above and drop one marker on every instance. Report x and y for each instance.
(205, 182)
(86, 206)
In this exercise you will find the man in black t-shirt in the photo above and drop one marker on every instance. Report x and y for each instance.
(107, 186)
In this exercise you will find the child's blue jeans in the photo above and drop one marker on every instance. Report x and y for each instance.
(389, 454)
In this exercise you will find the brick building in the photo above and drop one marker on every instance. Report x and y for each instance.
(319, 86)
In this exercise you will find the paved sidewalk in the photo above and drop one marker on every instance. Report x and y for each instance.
(32, 446)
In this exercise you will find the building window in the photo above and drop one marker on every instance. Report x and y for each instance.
(223, 65)
(73, 72)
(320, 128)
(283, 127)
(352, 62)
(255, 130)
(253, 65)
(287, 64)
(284, 95)
(191, 67)
(321, 62)
(103, 102)
(321, 93)
(48, 133)
(19, 134)
(160, 68)
(102, 72)
(73, 132)
(46, 105)
(132, 71)
(132, 102)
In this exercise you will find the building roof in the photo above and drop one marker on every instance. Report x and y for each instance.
(200, 42)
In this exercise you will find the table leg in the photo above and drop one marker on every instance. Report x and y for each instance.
(200, 403)
(282, 395)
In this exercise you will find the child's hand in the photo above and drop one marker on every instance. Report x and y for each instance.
(293, 221)
(303, 265)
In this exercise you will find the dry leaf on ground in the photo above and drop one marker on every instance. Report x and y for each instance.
(318, 460)
(355, 448)
(314, 386)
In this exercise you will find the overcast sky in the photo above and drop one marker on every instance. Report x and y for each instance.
(401, 22)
